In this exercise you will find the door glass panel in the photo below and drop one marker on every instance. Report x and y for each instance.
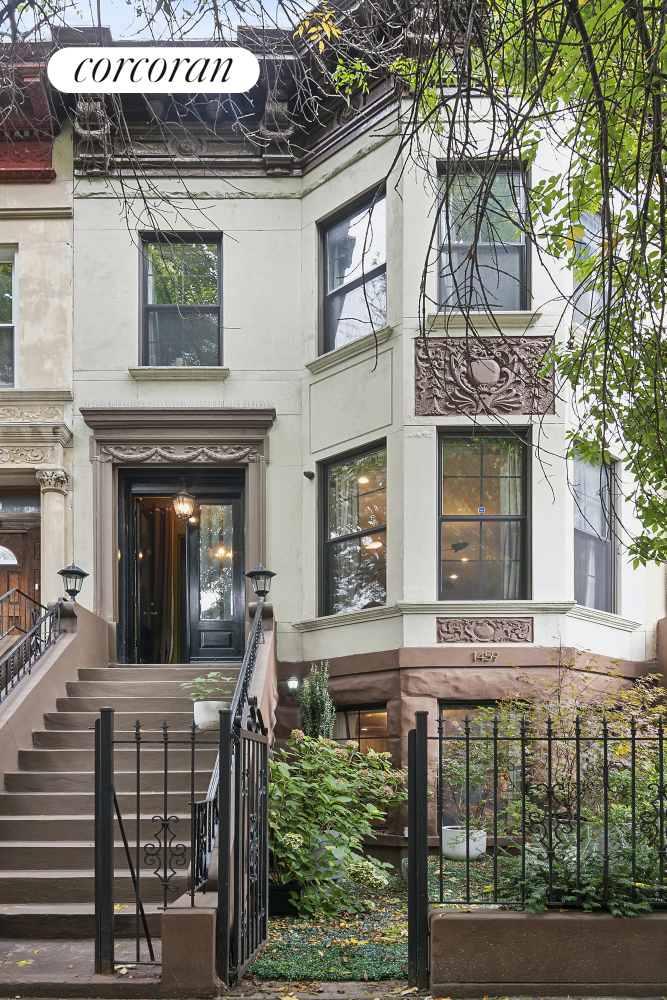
(215, 561)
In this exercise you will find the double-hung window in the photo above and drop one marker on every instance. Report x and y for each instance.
(483, 261)
(587, 297)
(181, 321)
(354, 246)
(7, 316)
(355, 530)
(483, 518)
(594, 547)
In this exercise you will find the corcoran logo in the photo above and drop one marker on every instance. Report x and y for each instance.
(153, 70)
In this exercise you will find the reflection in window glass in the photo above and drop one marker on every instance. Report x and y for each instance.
(355, 533)
(482, 521)
(182, 309)
(593, 542)
(7, 557)
(355, 292)
(7, 322)
(587, 297)
(215, 562)
(483, 260)
(366, 726)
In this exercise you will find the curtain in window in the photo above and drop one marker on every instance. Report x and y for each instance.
(510, 532)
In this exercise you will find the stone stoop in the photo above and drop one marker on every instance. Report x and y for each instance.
(47, 807)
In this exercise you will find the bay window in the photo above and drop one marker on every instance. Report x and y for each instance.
(594, 547)
(7, 316)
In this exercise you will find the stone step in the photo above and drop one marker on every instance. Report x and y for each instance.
(151, 758)
(67, 827)
(153, 675)
(124, 702)
(74, 921)
(82, 739)
(124, 721)
(84, 781)
(139, 689)
(82, 803)
(212, 665)
(41, 856)
(78, 886)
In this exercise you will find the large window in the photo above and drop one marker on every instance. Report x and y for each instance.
(355, 529)
(181, 302)
(354, 279)
(587, 297)
(482, 520)
(482, 246)
(366, 726)
(594, 548)
(7, 315)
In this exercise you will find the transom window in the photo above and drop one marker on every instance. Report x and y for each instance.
(482, 519)
(355, 529)
(482, 246)
(7, 315)
(355, 279)
(594, 546)
(181, 302)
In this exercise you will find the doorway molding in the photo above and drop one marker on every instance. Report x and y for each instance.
(138, 435)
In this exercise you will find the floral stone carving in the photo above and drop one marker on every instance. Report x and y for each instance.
(482, 375)
(485, 629)
(173, 453)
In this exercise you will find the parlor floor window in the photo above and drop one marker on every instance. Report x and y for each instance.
(366, 726)
(355, 532)
(594, 547)
(7, 315)
(181, 303)
(482, 521)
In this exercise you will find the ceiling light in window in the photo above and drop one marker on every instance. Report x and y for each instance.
(464, 559)
(362, 479)
(221, 553)
(374, 545)
(453, 576)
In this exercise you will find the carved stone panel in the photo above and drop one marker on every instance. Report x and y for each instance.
(485, 629)
(482, 375)
(155, 454)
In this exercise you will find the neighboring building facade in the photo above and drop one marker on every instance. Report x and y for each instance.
(223, 343)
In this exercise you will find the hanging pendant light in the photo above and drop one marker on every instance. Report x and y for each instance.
(184, 504)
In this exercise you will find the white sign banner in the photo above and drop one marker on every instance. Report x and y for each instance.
(153, 70)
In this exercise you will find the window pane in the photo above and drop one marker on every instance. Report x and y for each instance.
(6, 355)
(182, 274)
(355, 245)
(354, 314)
(494, 279)
(366, 726)
(593, 572)
(591, 498)
(183, 338)
(482, 472)
(501, 222)
(587, 298)
(358, 573)
(215, 561)
(357, 494)
(6, 315)
(460, 560)
(501, 560)
(486, 565)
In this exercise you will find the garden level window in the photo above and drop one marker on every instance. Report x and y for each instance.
(181, 325)
(594, 546)
(7, 316)
(482, 520)
(482, 245)
(354, 530)
(354, 278)
(367, 727)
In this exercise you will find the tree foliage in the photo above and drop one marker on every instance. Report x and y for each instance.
(318, 713)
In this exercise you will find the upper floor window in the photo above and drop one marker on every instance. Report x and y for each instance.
(594, 548)
(355, 529)
(355, 274)
(587, 297)
(7, 315)
(482, 519)
(181, 325)
(482, 245)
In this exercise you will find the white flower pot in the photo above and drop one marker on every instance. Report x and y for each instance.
(454, 843)
(206, 714)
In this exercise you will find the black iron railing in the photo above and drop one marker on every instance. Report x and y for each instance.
(29, 629)
(564, 814)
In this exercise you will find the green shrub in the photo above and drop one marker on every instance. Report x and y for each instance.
(318, 713)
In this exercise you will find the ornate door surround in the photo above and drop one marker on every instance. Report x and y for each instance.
(131, 435)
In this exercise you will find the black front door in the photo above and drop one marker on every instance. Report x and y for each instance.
(182, 586)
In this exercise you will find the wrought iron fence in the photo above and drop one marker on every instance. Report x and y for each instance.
(28, 629)
(567, 814)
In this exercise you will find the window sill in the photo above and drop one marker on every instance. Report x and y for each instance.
(607, 618)
(198, 373)
(522, 319)
(350, 350)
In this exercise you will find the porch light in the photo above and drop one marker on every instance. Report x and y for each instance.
(73, 578)
(261, 580)
(184, 505)
(292, 684)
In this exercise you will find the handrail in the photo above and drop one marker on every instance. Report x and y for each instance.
(20, 609)
(206, 811)
(18, 661)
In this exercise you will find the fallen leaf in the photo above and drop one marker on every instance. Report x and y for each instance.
(70, 966)
(25, 961)
(365, 975)
(119, 906)
(36, 952)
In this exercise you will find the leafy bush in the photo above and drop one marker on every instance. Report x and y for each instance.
(322, 799)
(318, 713)
(364, 872)
(208, 688)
